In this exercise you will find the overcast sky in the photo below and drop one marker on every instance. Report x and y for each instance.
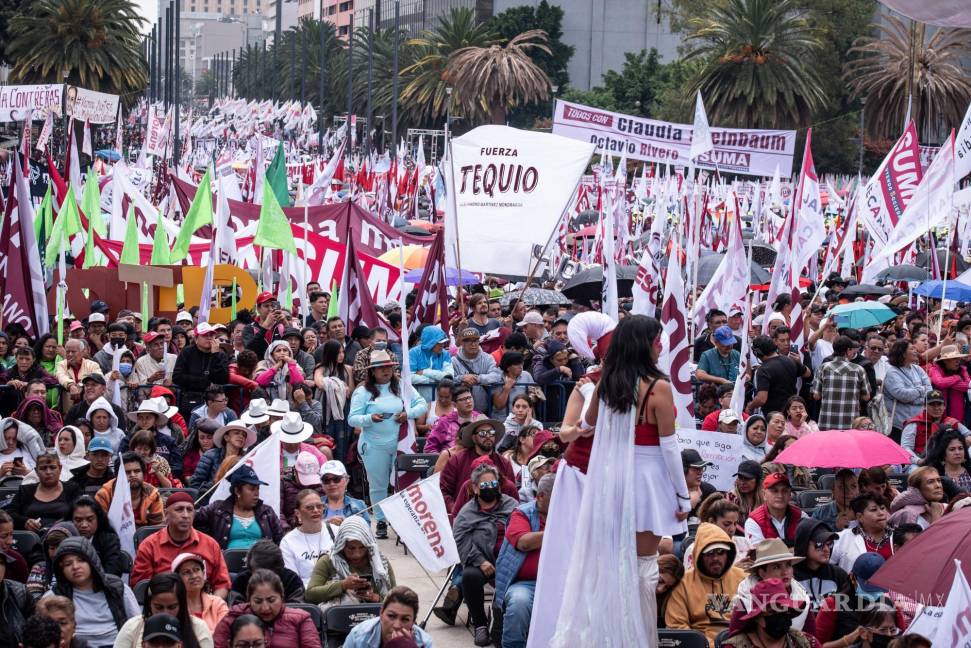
(149, 10)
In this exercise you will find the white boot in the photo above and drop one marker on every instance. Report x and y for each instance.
(648, 575)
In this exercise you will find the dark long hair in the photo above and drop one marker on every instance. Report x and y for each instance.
(241, 622)
(777, 447)
(328, 359)
(937, 448)
(628, 360)
(169, 582)
(372, 389)
(39, 347)
(104, 526)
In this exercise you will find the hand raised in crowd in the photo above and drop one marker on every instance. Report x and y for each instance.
(299, 396)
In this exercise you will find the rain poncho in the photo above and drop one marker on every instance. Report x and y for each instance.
(433, 366)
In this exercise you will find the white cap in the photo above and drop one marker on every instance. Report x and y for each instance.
(183, 316)
(728, 416)
(333, 467)
(96, 317)
(308, 468)
(532, 317)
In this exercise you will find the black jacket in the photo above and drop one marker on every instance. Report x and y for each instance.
(112, 586)
(80, 411)
(15, 608)
(829, 578)
(216, 520)
(108, 545)
(195, 369)
(25, 495)
(89, 485)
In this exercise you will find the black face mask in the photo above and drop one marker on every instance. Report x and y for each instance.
(880, 641)
(551, 453)
(777, 625)
(489, 494)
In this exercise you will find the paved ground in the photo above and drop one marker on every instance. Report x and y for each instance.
(408, 572)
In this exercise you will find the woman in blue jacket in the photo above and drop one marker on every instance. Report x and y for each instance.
(430, 360)
(379, 410)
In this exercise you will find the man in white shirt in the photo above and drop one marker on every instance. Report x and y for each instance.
(154, 367)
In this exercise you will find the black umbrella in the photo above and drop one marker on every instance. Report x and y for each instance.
(588, 283)
(763, 255)
(867, 289)
(709, 264)
(903, 272)
(537, 297)
(416, 231)
(923, 260)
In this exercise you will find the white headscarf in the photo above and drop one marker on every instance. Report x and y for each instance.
(355, 528)
(76, 458)
(282, 377)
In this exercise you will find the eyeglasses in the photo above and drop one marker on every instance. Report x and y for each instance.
(332, 480)
(489, 484)
(827, 544)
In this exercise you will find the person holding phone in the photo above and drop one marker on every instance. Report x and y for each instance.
(354, 571)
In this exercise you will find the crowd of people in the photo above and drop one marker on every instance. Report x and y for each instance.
(177, 404)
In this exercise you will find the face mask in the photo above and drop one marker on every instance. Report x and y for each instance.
(551, 453)
(880, 641)
(119, 344)
(777, 625)
(124, 368)
(489, 494)
(380, 345)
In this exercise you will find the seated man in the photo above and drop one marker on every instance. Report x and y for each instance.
(702, 601)
(778, 517)
(97, 472)
(156, 552)
(838, 514)
(146, 502)
(476, 369)
(518, 564)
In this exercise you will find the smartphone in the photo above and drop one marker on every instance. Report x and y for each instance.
(387, 416)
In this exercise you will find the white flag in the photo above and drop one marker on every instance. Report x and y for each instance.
(952, 626)
(45, 132)
(701, 141)
(729, 285)
(962, 165)
(418, 516)
(738, 392)
(120, 513)
(265, 460)
(675, 358)
(86, 144)
(408, 443)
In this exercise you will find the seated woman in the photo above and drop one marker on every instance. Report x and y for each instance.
(278, 372)
(874, 480)
(17, 607)
(104, 422)
(441, 406)
(41, 574)
(241, 519)
(754, 446)
(718, 510)
(798, 476)
(38, 506)
(477, 537)
(191, 568)
(103, 602)
(198, 443)
(518, 455)
(152, 415)
(429, 360)
(303, 475)
(670, 572)
(396, 622)
(15, 459)
(508, 488)
(265, 554)
(773, 560)
(558, 365)
(947, 452)
(284, 627)
(35, 412)
(304, 545)
(768, 622)
(158, 472)
(231, 442)
(165, 595)
(354, 571)
(872, 532)
(520, 418)
(797, 418)
(91, 521)
(747, 493)
(923, 502)
(71, 451)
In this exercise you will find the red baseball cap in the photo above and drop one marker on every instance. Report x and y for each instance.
(774, 479)
(151, 336)
(264, 297)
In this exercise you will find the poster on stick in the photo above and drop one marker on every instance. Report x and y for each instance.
(723, 450)
(17, 101)
(511, 187)
(737, 150)
(90, 105)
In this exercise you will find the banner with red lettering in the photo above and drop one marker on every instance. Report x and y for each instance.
(890, 188)
(737, 150)
(418, 516)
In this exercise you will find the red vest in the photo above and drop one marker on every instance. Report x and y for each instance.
(764, 520)
(923, 433)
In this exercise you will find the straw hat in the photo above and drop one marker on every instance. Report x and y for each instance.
(217, 437)
(772, 551)
(279, 407)
(380, 358)
(951, 352)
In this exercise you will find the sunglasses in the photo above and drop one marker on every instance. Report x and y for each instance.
(825, 544)
(717, 552)
(485, 433)
(489, 484)
(331, 480)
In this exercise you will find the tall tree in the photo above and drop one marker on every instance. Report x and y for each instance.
(757, 63)
(96, 44)
(8, 9)
(903, 60)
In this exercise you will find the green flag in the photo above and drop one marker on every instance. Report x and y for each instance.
(332, 304)
(129, 253)
(276, 178)
(44, 220)
(68, 224)
(91, 204)
(273, 229)
(160, 245)
(200, 215)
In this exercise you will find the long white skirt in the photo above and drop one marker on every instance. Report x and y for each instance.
(657, 503)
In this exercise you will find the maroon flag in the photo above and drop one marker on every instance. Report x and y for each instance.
(431, 297)
(357, 305)
(21, 279)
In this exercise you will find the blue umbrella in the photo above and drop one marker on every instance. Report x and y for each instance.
(108, 154)
(934, 289)
(452, 277)
(862, 314)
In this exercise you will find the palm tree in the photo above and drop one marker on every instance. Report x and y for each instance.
(96, 44)
(757, 63)
(425, 95)
(489, 81)
(901, 55)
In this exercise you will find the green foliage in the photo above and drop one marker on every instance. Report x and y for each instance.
(96, 44)
(8, 9)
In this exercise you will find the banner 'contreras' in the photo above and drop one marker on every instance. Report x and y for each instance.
(737, 150)
(16, 101)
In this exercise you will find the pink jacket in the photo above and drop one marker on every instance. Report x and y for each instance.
(291, 629)
(266, 376)
(442, 435)
(953, 386)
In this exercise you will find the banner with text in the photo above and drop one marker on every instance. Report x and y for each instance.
(16, 101)
(723, 450)
(737, 150)
(95, 107)
(511, 187)
(418, 516)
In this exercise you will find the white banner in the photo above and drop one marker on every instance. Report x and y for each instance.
(510, 188)
(675, 358)
(418, 516)
(962, 147)
(16, 101)
(950, 625)
(737, 150)
(96, 107)
(120, 513)
(265, 460)
(723, 450)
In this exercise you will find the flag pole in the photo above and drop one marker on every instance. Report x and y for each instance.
(556, 226)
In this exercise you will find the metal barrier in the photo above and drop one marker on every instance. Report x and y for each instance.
(551, 410)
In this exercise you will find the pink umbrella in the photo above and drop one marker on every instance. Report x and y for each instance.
(844, 449)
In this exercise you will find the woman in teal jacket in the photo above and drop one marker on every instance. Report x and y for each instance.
(379, 410)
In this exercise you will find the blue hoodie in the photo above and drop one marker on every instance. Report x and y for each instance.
(434, 366)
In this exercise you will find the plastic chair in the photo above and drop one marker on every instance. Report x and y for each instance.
(165, 492)
(26, 543)
(235, 561)
(825, 482)
(139, 590)
(898, 481)
(11, 481)
(681, 639)
(144, 532)
(416, 463)
(315, 614)
(811, 499)
(341, 619)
